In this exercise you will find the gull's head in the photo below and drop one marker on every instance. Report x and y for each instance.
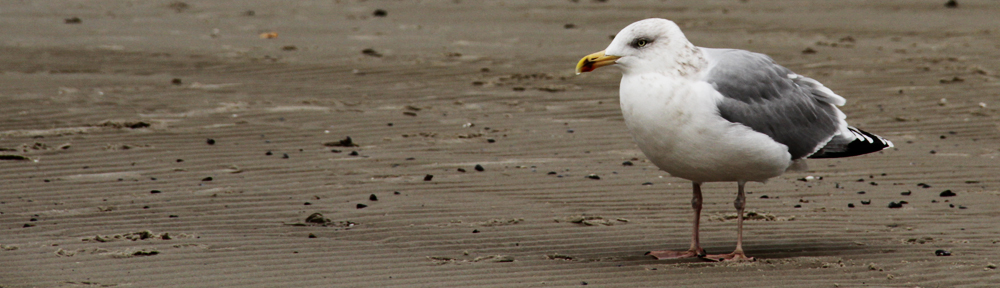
(646, 44)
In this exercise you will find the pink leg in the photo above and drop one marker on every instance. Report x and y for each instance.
(740, 203)
(695, 250)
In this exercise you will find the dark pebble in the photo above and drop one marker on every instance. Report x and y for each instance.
(950, 4)
(951, 205)
(569, 26)
(395, 193)
(933, 201)
(583, 282)
(647, 184)
(206, 179)
(362, 206)
(907, 193)
(923, 185)
(268, 153)
(346, 142)
(73, 20)
(307, 203)
(176, 81)
(145, 207)
(371, 52)
(940, 252)
(861, 192)
(850, 205)
(428, 177)
(180, 160)
(895, 205)
(873, 183)
(594, 176)
(863, 202)
(480, 168)
(390, 124)
(284, 155)
(311, 235)
(461, 170)
(798, 206)
(26, 225)
(335, 151)
(154, 192)
(210, 141)
(372, 198)
(353, 153)
(33, 219)
(627, 163)
(491, 140)
(809, 50)
(764, 197)
(289, 48)
(962, 207)
(174, 216)
(947, 193)
(380, 13)
(551, 173)
(410, 113)
(475, 231)
(569, 131)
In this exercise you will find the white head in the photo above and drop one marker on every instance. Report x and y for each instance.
(651, 45)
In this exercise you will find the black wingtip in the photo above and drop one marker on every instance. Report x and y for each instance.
(863, 143)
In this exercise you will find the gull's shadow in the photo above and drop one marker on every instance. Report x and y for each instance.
(761, 251)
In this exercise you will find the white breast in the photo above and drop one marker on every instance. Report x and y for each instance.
(676, 124)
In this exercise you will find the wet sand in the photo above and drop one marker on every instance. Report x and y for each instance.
(154, 143)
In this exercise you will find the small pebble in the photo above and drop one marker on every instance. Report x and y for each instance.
(923, 185)
(180, 160)
(962, 207)
(268, 153)
(764, 197)
(206, 179)
(940, 252)
(480, 168)
(895, 205)
(863, 202)
(373, 198)
(947, 193)
(210, 141)
(907, 193)
(284, 155)
(311, 235)
(647, 184)
(951, 4)
(174, 216)
(353, 153)
(176, 81)
(861, 192)
(475, 231)
(335, 151)
(491, 140)
(73, 20)
(461, 170)
(395, 193)
(428, 177)
(380, 13)
(798, 206)
(154, 192)
(627, 163)
(551, 173)
(307, 203)
(594, 176)
(362, 206)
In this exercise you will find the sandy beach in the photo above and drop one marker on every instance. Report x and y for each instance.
(450, 144)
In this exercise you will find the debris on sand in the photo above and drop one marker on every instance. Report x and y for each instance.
(346, 142)
(591, 220)
(751, 216)
(317, 219)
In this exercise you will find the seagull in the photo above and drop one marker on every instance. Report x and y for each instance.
(722, 115)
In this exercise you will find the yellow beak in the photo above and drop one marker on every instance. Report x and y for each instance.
(594, 61)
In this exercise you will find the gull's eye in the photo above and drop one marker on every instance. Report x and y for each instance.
(640, 42)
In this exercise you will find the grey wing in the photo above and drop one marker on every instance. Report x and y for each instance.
(793, 110)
